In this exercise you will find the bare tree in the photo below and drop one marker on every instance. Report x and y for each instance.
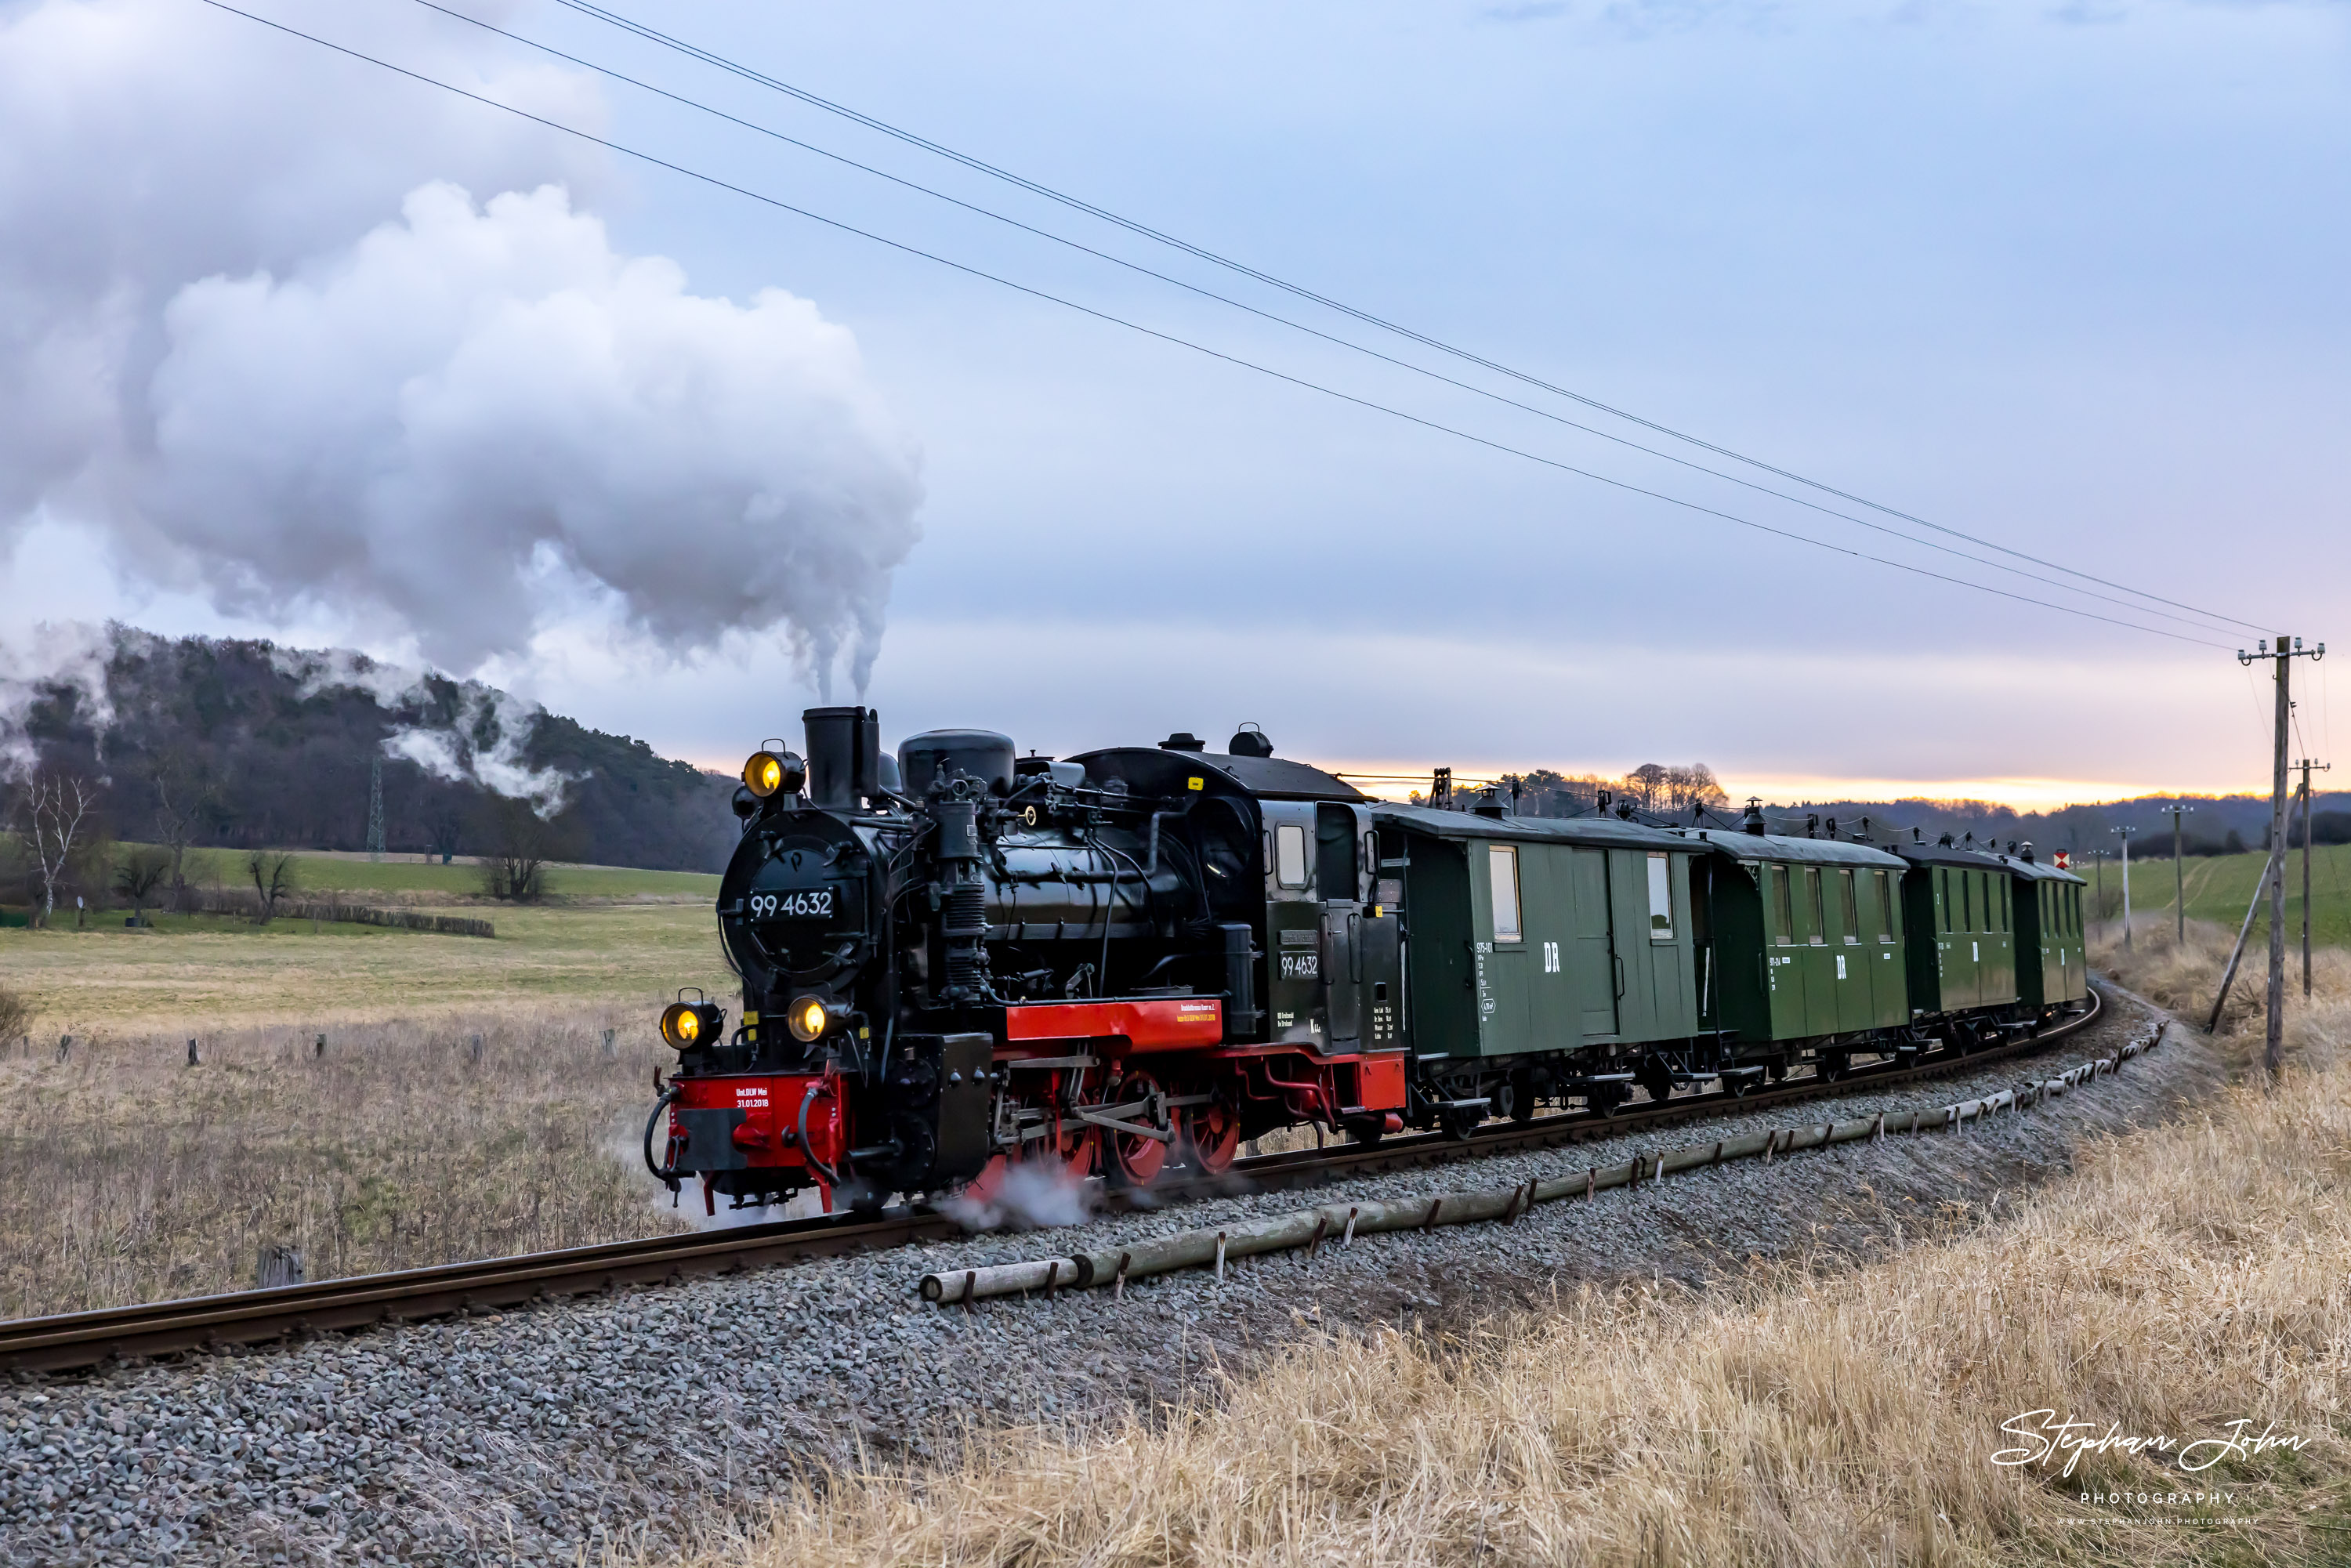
(273, 879)
(137, 877)
(57, 810)
(520, 844)
(1694, 786)
(183, 793)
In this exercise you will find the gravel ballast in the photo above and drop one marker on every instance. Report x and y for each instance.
(524, 1437)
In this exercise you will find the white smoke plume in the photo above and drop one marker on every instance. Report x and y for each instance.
(256, 332)
(54, 655)
(481, 743)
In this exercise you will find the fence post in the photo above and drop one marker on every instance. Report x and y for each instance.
(192, 1051)
(321, 1050)
(609, 1052)
(65, 1047)
(478, 1048)
(278, 1266)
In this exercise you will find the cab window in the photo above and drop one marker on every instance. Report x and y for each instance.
(1290, 854)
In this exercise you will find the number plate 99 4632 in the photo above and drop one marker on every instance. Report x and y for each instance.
(812, 903)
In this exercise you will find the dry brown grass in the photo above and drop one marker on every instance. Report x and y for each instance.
(2185, 1276)
(2181, 977)
(127, 1176)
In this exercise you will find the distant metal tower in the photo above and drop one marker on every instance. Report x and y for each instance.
(375, 807)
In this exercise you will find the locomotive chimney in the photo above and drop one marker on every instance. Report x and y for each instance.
(845, 756)
(1753, 821)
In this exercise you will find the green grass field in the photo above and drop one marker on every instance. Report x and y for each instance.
(2219, 888)
(460, 878)
(206, 973)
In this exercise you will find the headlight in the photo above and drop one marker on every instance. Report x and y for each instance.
(688, 1024)
(809, 1018)
(774, 772)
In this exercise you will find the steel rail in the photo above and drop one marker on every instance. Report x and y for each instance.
(80, 1340)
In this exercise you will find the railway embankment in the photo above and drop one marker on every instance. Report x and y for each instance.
(525, 1436)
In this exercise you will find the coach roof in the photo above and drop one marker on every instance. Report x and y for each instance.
(1596, 832)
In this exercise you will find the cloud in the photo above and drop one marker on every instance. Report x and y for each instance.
(451, 428)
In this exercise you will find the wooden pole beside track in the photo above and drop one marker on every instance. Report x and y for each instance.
(2221, 997)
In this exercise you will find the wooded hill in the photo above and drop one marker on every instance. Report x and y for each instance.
(262, 746)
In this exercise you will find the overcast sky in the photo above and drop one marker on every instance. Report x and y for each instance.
(2069, 278)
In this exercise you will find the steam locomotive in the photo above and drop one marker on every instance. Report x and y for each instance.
(1132, 960)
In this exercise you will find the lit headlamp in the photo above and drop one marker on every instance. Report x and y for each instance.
(685, 1025)
(808, 1019)
(772, 773)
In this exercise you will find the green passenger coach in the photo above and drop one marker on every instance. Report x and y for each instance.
(1960, 905)
(2051, 965)
(1811, 939)
(1527, 935)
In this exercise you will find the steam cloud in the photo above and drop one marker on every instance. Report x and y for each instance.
(70, 654)
(483, 744)
(452, 428)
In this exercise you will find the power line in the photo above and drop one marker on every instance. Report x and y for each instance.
(721, 62)
(1267, 371)
(1291, 322)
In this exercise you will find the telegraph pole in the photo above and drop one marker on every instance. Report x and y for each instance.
(2305, 764)
(375, 808)
(2289, 649)
(2179, 875)
(2124, 834)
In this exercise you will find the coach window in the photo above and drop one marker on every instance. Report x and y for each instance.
(1502, 866)
(1290, 854)
(1966, 901)
(1661, 897)
(1814, 907)
(1887, 890)
(1852, 905)
(1781, 904)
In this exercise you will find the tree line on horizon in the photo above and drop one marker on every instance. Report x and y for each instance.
(212, 744)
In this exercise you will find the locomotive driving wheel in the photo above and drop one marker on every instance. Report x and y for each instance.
(1212, 1135)
(1131, 1158)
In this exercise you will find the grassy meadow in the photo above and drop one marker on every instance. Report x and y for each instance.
(2219, 886)
(127, 1175)
(606, 937)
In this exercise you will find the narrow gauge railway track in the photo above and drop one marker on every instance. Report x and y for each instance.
(82, 1340)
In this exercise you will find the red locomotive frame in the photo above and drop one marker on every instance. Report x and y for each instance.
(1166, 1050)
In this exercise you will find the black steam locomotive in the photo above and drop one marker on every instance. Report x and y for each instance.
(1132, 959)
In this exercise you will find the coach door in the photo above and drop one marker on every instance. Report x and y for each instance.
(1592, 953)
(1338, 880)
